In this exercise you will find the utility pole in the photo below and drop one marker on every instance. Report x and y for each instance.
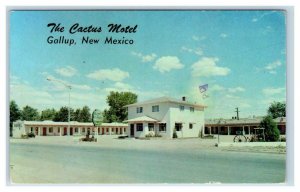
(237, 113)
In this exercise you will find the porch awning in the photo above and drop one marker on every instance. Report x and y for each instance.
(141, 119)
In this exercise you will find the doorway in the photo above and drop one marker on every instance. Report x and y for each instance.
(44, 131)
(132, 130)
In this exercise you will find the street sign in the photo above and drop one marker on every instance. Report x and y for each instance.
(97, 117)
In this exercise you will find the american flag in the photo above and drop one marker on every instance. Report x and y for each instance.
(203, 88)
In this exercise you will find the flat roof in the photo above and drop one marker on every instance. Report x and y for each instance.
(72, 123)
(244, 121)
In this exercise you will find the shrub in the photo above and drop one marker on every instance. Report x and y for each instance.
(174, 133)
(283, 139)
(30, 135)
(271, 131)
(24, 136)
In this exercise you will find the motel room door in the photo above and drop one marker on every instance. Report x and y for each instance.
(71, 131)
(132, 130)
(44, 131)
(65, 131)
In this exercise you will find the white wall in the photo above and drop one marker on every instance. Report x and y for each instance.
(147, 110)
(18, 129)
(170, 113)
(187, 117)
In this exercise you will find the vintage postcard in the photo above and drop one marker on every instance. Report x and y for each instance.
(149, 96)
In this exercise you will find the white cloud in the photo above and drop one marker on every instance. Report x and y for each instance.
(236, 89)
(50, 97)
(273, 91)
(25, 94)
(81, 87)
(119, 86)
(109, 74)
(223, 35)
(197, 38)
(145, 58)
(254, 20)
(217, 87)
(167, 63)
(67, 71)
(197, 51)
(271, 67)
(232, 96)
(207, 66)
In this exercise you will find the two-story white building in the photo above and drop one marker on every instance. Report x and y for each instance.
(164, 116)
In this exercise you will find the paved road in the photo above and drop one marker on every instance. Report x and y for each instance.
(34, 163)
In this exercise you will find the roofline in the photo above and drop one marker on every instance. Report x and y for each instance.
(178, 102)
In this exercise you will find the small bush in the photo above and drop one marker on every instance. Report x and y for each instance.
(283, 139)
(122, 137)
(30, 135)
(24, 136)
(150, 134)
(174, 133)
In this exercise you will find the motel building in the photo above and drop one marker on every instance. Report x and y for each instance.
(163, 115)
(51, 128)
(245, 126)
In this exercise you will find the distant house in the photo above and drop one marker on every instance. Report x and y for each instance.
(163, 116)
(50, 128)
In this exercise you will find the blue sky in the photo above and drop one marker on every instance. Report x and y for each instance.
(241, 55)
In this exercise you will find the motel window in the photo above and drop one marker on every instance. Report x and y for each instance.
(192, 109)
(139, 110)
(76, 130)
(124, 129)
(151, 126)
(31, 129)
(58, 129)
(83, 129)
(139, 127)
(162, 127)
(155, 108)
(178, 126)
(181, 107)
(50, 130)
(191, 125)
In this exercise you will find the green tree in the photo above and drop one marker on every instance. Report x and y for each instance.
(48, 114)
(116, 101)
(77, 115)
(14, 114)
(271, 131)
(29, 114)
(277, 109)
(85, 115)
(62, 115)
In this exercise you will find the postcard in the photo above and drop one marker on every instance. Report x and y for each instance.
(147, 96)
